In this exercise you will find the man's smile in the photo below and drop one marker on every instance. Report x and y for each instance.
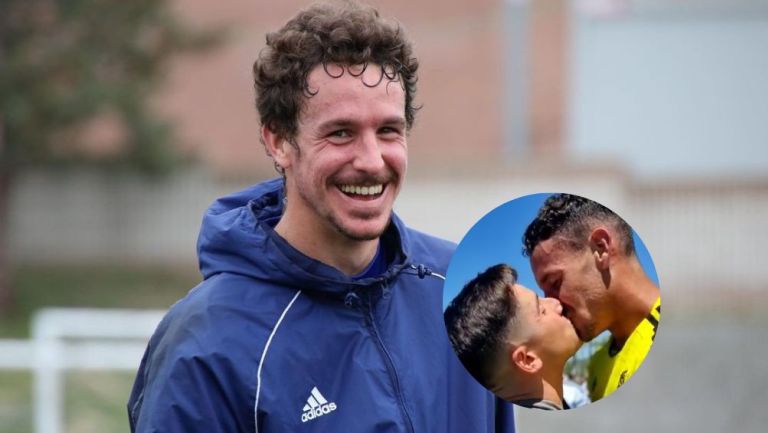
(362, 192)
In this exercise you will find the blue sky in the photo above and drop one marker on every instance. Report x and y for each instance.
(497, 238)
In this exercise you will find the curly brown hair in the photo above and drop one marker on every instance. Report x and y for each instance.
(345, 33)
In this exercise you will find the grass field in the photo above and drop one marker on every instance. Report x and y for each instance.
(94, 401)
(104, 287)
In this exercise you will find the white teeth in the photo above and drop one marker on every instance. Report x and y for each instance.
(362, 190)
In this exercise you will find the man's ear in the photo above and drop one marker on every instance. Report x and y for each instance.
(525, 359)
(602, 244)
(277, 147)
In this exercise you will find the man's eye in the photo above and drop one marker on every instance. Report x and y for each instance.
(387, 130)
(341, 133)
(340, 136)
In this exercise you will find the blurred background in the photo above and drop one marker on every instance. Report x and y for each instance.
(121, 121)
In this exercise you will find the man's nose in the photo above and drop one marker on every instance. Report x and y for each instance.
(554, 303)
(368, 156)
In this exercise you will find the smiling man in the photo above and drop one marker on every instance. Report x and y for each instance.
(512, 342)
(345, 165)
(583, 254)
(320, 310)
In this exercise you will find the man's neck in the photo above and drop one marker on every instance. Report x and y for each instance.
(632, 300)
(547, 386)
(327, 245)
(552, 386)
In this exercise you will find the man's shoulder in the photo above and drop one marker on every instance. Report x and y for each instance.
(200, 361)
(223, 311)
(429, 249)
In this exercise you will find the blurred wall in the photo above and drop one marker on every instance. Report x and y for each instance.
(674, 88)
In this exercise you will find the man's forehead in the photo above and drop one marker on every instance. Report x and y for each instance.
(546, 256)
(545, 252)
(526, 312)
(525, 296)
(352, 93)
(370, 75)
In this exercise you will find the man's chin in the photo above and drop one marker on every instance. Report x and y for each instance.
(577, 343)
(583, 330)
(573, 339)
(362, 232)
(585, 336)
(361, 227)
(361, 236)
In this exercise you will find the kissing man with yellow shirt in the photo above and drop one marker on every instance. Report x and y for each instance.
(583, 254)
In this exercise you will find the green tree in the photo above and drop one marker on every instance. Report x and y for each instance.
(67, 65)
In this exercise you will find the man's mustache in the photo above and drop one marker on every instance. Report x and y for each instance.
(366, 179)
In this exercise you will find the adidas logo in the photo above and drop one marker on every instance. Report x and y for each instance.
(316, 406)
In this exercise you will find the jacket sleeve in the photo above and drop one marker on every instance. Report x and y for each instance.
(505, 417)
(186, 394)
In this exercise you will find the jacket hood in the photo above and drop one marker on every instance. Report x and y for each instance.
(237, 236)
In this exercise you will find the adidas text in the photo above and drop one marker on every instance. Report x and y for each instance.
(318, 412)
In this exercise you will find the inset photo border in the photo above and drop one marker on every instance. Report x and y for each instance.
(552, 301)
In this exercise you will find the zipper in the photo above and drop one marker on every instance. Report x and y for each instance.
(390, 364)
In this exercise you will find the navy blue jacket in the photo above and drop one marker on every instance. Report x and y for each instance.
(274, 341)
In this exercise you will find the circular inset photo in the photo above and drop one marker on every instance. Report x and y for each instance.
(552, 301)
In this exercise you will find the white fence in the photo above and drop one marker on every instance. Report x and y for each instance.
(76, 339)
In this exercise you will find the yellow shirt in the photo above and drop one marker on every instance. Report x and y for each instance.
(608, 369)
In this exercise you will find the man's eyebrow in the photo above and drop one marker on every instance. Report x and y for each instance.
(397, 121)
(335, 123)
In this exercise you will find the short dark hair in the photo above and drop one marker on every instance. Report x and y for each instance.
(478, 319)
(573, 217)
(345, 33)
